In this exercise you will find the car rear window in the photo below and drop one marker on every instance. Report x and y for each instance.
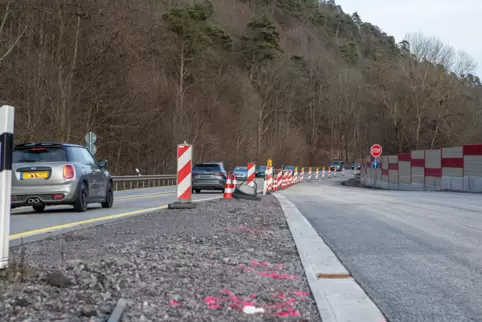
(336, 163)
(241, 169)
(39, 154)
(207, 167)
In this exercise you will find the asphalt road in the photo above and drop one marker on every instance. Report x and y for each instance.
(25, 219)
(417, 255)
(24, 222)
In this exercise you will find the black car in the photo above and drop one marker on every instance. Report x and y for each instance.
(356, 166)
(260, 172)
(208, 176)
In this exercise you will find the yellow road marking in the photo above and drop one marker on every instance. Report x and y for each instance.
(93, 220)
(148, 195)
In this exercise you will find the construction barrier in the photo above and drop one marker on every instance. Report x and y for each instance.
(184, 178)
(446, 169)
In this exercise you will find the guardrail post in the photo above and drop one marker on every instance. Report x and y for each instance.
(6, 146)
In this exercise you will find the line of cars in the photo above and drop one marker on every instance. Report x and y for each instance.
(51, 173)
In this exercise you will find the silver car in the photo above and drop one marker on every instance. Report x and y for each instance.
(46, 174)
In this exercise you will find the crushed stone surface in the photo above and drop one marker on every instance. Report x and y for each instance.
(226, 260)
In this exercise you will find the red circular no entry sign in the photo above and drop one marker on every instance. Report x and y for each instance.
(376, 150)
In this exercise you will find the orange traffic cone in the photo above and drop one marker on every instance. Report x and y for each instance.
(228, 191)
(233, 185)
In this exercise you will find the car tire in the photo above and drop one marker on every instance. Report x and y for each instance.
(109, 198)
(40, 208)
(81, 202)
(197, 190)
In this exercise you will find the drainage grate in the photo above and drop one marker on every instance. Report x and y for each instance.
(333, 276)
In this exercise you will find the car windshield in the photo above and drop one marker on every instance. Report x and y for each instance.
(208, 167)
(241, 169)
(335, 163)
(39, 154)
(289, 167)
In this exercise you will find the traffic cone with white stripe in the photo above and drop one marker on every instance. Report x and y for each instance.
(228, 191)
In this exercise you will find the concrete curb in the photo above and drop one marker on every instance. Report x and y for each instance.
(337, 299)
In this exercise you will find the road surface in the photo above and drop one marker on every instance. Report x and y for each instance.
(25, 223)
(418, 255)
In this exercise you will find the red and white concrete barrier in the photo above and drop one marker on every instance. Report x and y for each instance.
(448, 169)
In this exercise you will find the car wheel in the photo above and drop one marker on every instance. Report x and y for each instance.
(40, 208)
(197, 190)
(109, 198)
(80, 204)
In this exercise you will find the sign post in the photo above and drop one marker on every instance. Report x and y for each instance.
(90, 139)
(376, 151)
(6, 146)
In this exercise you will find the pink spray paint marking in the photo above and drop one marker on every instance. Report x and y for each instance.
(232, 300)
(280, 309)
(174, 303)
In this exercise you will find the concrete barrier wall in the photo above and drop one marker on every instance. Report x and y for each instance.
(446, 169)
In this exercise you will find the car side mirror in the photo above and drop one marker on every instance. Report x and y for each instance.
(102, 163)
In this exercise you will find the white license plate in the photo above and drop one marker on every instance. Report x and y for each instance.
(205, 177)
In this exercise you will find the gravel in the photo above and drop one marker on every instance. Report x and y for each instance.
(227, 260)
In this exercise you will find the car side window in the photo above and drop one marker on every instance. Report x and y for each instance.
(87, 156)
(76, 155)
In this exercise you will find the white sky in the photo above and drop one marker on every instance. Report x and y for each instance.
(455, 22)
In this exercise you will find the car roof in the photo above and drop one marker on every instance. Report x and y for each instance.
(47, 144)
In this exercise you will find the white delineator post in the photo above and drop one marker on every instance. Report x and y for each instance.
(6, 146)
(269, 171)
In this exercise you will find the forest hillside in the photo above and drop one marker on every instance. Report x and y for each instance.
(298, 81)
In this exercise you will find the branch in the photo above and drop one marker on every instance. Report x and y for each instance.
(13, 45)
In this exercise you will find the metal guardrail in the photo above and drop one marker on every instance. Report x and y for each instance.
(139, 182)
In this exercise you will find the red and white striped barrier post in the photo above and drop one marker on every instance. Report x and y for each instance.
(323, 173)
(317, 174)
(342, 172)
(296, 175)
(329, 172)
(7, 115)
(285, 179)
(279, 180)
(251, 172)
(302, 174)
(275, 180)
(309, 174)
(334, 173)
(184, 178)
(269, 176)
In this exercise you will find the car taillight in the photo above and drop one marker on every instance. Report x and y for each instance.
(220, 174)
(69, 171)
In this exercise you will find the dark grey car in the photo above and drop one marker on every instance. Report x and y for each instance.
(48, 173)
(208, 176)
